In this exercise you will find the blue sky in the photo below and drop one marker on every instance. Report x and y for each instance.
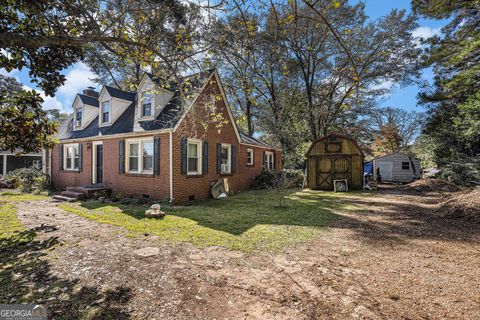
(79, 76)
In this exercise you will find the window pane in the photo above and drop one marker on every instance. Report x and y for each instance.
(106, 111)
(147, 109)
(69, 163)
(148, 148)
(133, 164)
(75, 151)
(133, 149)
(224, 154)
(76, 162)
(192, 150)
(192, 165)
(147, 163)
(68, 152)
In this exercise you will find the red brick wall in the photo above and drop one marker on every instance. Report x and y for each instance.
(198, 124)
(218, 130)
(156, 187)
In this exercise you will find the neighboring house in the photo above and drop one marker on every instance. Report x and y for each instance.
(154, 143)
(397, 167)
(15, 160)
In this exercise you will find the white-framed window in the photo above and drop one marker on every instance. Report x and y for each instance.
(225, 158)
(269, 160)
(140, 156)
(78, 116)
(71, 159)
(194, 156)
(105, 112)
(249, 157)
(146, 104)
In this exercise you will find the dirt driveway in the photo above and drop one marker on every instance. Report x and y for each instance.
(391, 259)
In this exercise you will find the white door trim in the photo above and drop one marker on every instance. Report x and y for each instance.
(94, 160)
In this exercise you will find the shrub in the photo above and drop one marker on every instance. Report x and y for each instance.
(465, 173)
(29, 179)
(294, 178)
(266, 179)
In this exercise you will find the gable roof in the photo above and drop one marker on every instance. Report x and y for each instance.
(167, 119)
(117, 93)
(246, 139)
(91, 101)
(391, 154)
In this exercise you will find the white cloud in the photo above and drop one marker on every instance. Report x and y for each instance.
(425, 32)
(78, 79)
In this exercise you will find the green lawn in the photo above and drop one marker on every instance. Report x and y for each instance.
(249, 221)
(15, 196)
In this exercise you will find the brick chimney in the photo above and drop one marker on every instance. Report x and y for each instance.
(90, 91)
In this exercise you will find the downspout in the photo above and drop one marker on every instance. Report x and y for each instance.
(170, 146)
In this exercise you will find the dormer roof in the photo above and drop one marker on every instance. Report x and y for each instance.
(117, 93)
(91, 101)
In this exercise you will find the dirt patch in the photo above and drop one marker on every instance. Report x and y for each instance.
(429, 187)
(394, 257)
(464, 204)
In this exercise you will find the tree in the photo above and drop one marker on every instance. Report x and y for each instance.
(408, 124)
(388, 141)
(23, 123)
(455, 57)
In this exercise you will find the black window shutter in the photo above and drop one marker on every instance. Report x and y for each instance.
(121, 156)
(60, 157)
(80, 157)
(219, 158)
(265, 158)
(183, 154)
(156, 156)
(205, 157)
(234, 158)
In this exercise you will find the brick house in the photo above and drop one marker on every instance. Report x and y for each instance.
(157, 142)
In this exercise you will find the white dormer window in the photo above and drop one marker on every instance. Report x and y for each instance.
(106, 112)
(78, 117)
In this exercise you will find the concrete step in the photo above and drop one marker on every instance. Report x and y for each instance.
(77, 189)
(73, 194)
(64, 198)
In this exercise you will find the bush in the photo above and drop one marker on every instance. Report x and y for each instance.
(266, 179)
(462, 173)
(294, 178)
(29, 179)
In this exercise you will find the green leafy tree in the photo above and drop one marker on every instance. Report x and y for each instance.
(455, 57)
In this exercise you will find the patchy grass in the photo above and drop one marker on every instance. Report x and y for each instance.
(9, 223)
(14, 196)
(250, 221)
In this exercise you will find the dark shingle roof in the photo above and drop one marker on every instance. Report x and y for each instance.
(168, 117)
(251, 140)
(117, 93)
(91, 101)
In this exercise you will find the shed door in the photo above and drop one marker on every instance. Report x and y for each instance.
(386, 169)
(324, 173)
(331, 168)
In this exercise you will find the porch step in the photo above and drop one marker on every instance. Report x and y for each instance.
(73, 194)
(87, 191)
(64, 198)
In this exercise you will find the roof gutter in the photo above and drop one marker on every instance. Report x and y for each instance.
(117, 135)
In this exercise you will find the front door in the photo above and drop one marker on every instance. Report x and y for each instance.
(98, 164)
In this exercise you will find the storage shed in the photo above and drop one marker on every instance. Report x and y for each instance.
(397, 167)
(334, 157)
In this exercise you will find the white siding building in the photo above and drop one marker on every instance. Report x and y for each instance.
(397, 167)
